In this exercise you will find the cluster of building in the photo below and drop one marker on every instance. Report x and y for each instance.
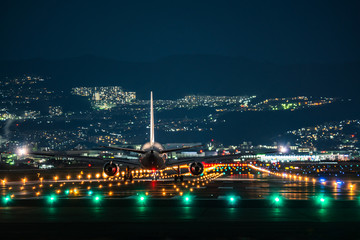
(25, 90)
(275, 104)
(19, 97)
(105, 97)
(19, 81)
(337, 135)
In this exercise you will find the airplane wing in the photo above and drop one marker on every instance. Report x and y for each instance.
(124, 161)
(179, 149)
(124, 149)
(209, 159)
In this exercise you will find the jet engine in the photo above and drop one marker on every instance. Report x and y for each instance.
(196, 168)
(111, 169)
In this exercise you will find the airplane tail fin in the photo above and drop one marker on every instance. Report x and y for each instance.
(152, 137)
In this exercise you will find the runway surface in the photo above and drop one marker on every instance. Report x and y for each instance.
(218, 205)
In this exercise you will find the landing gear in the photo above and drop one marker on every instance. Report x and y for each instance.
(155, 176)
(128, 175)
(180, 178)
(178, 175)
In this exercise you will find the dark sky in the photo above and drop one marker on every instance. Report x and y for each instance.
(276, 31)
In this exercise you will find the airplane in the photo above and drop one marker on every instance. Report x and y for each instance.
(152, 156)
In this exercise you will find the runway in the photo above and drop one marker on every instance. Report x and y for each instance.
(221, 205)
(212, 185)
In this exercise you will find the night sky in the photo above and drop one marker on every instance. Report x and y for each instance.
(272, 31)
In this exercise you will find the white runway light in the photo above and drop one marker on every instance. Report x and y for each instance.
(22, 151)
(283, 149)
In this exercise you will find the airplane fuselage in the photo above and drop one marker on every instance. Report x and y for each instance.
(152, 159)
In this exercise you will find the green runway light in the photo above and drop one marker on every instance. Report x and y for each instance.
(52, 199)
(142, 199)
(90, 193)
(67, 192)
(97, 198)
(187, 199)
(6, 199)
(232, 200)
(276, 200)
(322, 201)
